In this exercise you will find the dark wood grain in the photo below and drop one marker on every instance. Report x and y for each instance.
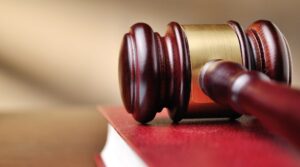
(155, 70)
(139, 73)
(249, 92)
(270, 51)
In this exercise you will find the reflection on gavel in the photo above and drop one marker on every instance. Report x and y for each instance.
(210, 71)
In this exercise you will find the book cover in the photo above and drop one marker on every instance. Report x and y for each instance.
(195, 142)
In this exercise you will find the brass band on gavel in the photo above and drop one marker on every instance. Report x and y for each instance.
(208, 42)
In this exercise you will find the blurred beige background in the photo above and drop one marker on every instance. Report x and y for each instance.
(56, 53)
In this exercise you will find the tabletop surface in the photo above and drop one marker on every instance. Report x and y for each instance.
(51, 137)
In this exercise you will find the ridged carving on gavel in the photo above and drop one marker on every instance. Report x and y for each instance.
(157, 72)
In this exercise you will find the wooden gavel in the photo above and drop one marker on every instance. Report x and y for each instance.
(210, 71)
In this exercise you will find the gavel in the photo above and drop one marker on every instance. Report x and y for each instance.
(210, 71)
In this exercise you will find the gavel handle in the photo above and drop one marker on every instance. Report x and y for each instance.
(275, 105)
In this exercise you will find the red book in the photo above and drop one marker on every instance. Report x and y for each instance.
(197, 142)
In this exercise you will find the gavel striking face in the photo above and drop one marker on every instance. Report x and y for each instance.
(157, 72)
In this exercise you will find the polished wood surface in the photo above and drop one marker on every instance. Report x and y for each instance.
(155, 71)
(64, 137)
(249, 92)
(269, 51)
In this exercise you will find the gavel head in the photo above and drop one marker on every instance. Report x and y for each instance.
(157, 72)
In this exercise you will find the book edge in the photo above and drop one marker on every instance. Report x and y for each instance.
(117, 149)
